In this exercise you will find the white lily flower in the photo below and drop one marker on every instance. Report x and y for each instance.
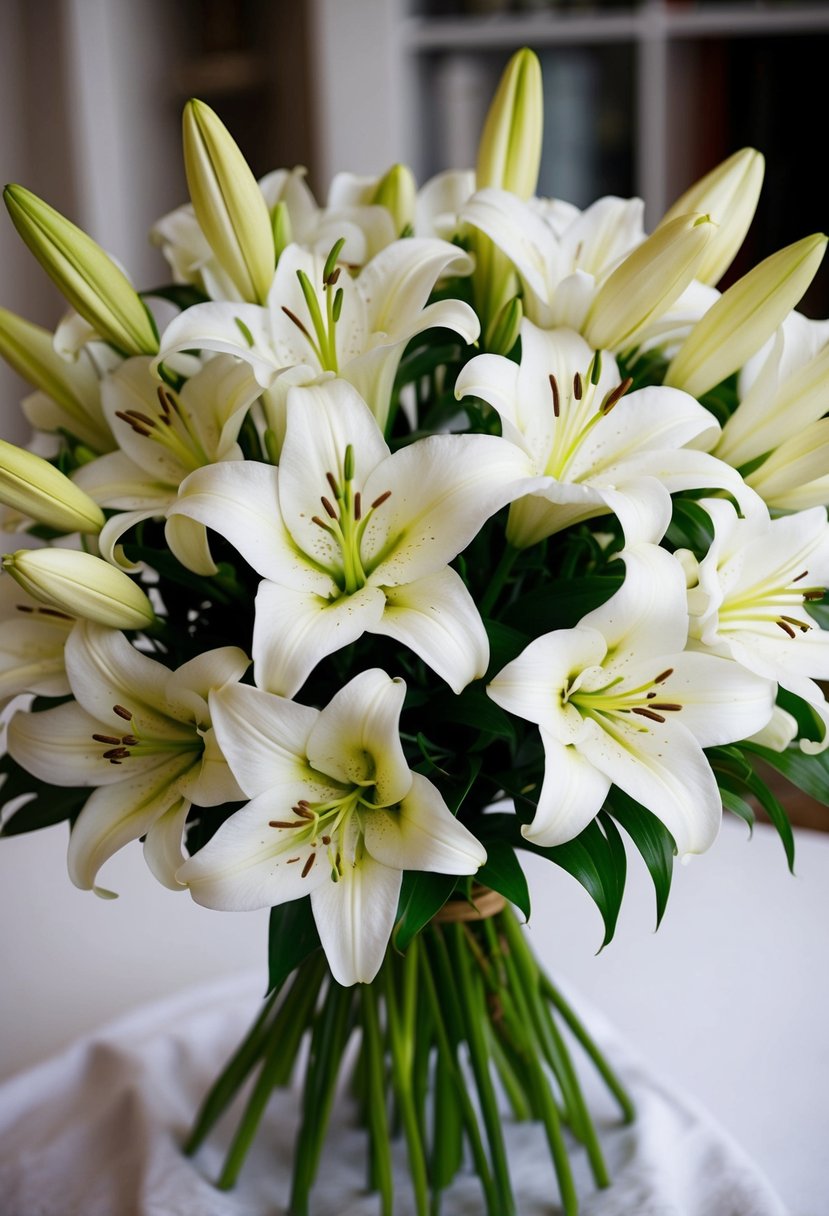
(321, 322)
(620, 701)
(748, 598)
(163, 437)
(783, 394)
(600, 448)
(139, 732)
(351, 538)
(32, 641)
(564, 259)
(335, 813)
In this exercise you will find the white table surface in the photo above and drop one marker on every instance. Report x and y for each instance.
(729, 1001)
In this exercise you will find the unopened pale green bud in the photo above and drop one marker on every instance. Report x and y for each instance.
(30, 350)
(87, 277)
(745, 316)
(396, 192)
(504, 330)
(509, 153)
(31, 485)
(729, 195)
(81, 585)
(228, 203)
(647, 282)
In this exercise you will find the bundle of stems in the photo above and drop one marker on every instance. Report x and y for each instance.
(462, 1025)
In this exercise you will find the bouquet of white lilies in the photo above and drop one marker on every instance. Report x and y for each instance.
(395, 536)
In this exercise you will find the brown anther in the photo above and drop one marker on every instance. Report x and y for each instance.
(332, 278)
(315, 519)
(329, 510)
(280, 823)
(122, 712)
(106, 738)
(116, 753)
(332, 481)
(129, 741)
(63, 616)
(786, 627)
(647, 713)
(578, 388)
(139, 417)
(358, 507)
(23, 608)
(162, 399)
(615, 395)
(663, 675)
(326, 840)
(651, 695)
(291, 860)
(302, 810)
(293, 317)
(800, 576)
(556, 397)
(813, 595)
(801, 625)
(378, 502)
(139, 430)
(667, 706)
(306, 869)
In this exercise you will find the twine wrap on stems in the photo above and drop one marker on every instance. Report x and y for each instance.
(465, 1008)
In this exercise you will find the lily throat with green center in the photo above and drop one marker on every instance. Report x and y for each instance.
(332, 829)
(138, 742)
(610, 699)
(347, 524)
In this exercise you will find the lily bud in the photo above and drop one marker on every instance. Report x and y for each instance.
(229, 205)
(29, 484)
(509, 153)
(729, 195)
(647, 282)
(30, 350)
(396, 192)
(86, 276)
(81, 585)
(504, 330)
(745, 316)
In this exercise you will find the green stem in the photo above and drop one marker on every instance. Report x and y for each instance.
(499, 577)
(231, 1079)
(295, 1012)
(401, 1053)
(376, 1099)
(467, 1109)
(555, 1049)
(328, 1040)
(473, 1002)
(579, 1032)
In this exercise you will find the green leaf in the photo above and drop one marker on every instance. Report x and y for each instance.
(561, 604)
(810, 725)
(421, 896)
(738, 806)
(808, 773)
(505, 644)
(46, 804)
(502, 872)
(652, 839)
(292, 937)
(595, 858)
(472, 708)
(183, 295)
(736, 782)
(690, 527)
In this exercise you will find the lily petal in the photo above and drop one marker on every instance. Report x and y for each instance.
(436, 617)
(262, 736)
(422, 834)
(572, 793)
(295, 629)
(163, 851)
(355, 917)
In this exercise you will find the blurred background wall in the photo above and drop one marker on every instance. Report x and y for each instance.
(640, 99)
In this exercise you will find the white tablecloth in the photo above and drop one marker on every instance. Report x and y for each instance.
(95, 1130)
